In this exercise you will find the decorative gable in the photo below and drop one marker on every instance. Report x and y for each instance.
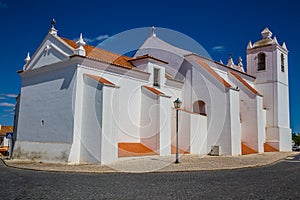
(52, 50)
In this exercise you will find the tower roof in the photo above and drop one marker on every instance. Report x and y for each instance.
(266, 33)
(266, 39)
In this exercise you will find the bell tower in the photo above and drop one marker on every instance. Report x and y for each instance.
(268, 62)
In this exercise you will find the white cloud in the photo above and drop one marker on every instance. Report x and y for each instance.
(218, 48)
(3, 5)
(87, 40)
(95, 39)
(102, 37)
(1, 98)
(9, 110)
(5, 104)
(11, 95)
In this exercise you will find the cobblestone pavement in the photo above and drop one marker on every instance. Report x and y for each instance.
(277, 181)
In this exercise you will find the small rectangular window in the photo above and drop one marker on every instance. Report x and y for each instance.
(156, 77)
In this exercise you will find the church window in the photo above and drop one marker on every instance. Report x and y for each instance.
(282, 62)
(156, 77)
(261, 61)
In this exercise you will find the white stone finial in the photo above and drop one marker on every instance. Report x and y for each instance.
(266, 33)
(80, 50)
(249, 46)
(153, 34)
(240, 61)
(275, 40)
(230, 61)
(284, 46)
(240, 66)
(81, 41)
(53, 31)
(27, 59)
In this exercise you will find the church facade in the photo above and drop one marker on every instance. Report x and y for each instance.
(83, 104)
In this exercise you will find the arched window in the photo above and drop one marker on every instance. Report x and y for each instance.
(199, 107)
(261, 62)
(282, 62)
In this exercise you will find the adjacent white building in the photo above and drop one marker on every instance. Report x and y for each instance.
(81, 104)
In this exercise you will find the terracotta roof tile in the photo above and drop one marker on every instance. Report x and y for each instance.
(153, 90)
(100, 80)
(102, 55)
(244, 83)
(220, 64)
(6, 129)
(213, 73)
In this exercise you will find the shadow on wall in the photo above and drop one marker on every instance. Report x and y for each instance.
(62, 73)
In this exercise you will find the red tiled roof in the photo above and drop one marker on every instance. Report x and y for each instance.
(153, 90)
(213, 73)
(6, 129)
(244, 83)
(102, 55)
(100, 80)
(220, 64)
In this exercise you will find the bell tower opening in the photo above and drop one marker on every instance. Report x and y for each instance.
(282, 62)
(261, 65)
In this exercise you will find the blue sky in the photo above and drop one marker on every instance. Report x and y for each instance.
(221, 27)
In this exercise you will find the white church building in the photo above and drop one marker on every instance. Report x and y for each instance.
(83, 104)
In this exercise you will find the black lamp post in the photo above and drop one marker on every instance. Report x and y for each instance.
(177, 105)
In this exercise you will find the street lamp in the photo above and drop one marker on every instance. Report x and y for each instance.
(177, 105)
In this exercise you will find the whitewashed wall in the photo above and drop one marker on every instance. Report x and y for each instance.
(251, 117)
(46, 115)
(150, 120)
(205, 87)
(91, 128)
(235, 123)
(198, 134)
(165, 125)
(184, 131)
(192, 132)
(109, 145)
